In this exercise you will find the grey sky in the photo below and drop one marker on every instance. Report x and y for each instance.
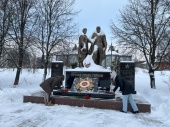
(98, 13)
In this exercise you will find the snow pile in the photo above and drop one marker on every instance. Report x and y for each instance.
(88, 61)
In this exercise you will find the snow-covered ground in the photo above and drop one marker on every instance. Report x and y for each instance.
(15, 113)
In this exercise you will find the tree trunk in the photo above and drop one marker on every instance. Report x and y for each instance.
(45, 71)
(42, 61)
(45, 67)
(0, 50)
(17, 76)
(152, 78)
(19, 67)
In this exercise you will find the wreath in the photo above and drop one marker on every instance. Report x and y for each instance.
(85, 84)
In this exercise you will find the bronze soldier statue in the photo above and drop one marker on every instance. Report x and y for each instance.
(83, 49)
(100, 41)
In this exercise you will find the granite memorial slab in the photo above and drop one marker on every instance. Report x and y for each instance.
(127, 70)
(57, 68)
(100, 78)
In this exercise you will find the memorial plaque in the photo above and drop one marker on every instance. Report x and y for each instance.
(56, 68)
(127, 70)
(102, 79)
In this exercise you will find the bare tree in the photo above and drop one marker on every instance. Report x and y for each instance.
(5, 16)
(144, 25)
(21, 28)
(55, 25)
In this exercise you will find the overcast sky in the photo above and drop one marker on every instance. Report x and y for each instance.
(98, 13)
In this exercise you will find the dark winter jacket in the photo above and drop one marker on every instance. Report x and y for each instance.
(125, 87)
(49, 84)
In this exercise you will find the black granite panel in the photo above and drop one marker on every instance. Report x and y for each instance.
(56, 69)
(127, 70)
(103, 78)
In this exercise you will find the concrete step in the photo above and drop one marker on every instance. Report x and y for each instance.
(113, 104)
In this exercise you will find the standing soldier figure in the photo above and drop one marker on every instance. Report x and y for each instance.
(100, 41)
(83, 47)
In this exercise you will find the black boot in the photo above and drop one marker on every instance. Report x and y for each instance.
(123, 111)
(134, 112)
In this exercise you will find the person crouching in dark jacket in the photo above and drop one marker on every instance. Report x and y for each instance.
(48, 86)
(127, 89)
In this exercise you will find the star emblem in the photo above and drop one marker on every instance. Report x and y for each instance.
(127, 66)
(56, 65)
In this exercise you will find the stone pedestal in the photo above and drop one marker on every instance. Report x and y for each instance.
(81, 82)
(111, 104)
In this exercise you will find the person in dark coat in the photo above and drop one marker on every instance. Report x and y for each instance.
(127, 89)
(48, 86)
